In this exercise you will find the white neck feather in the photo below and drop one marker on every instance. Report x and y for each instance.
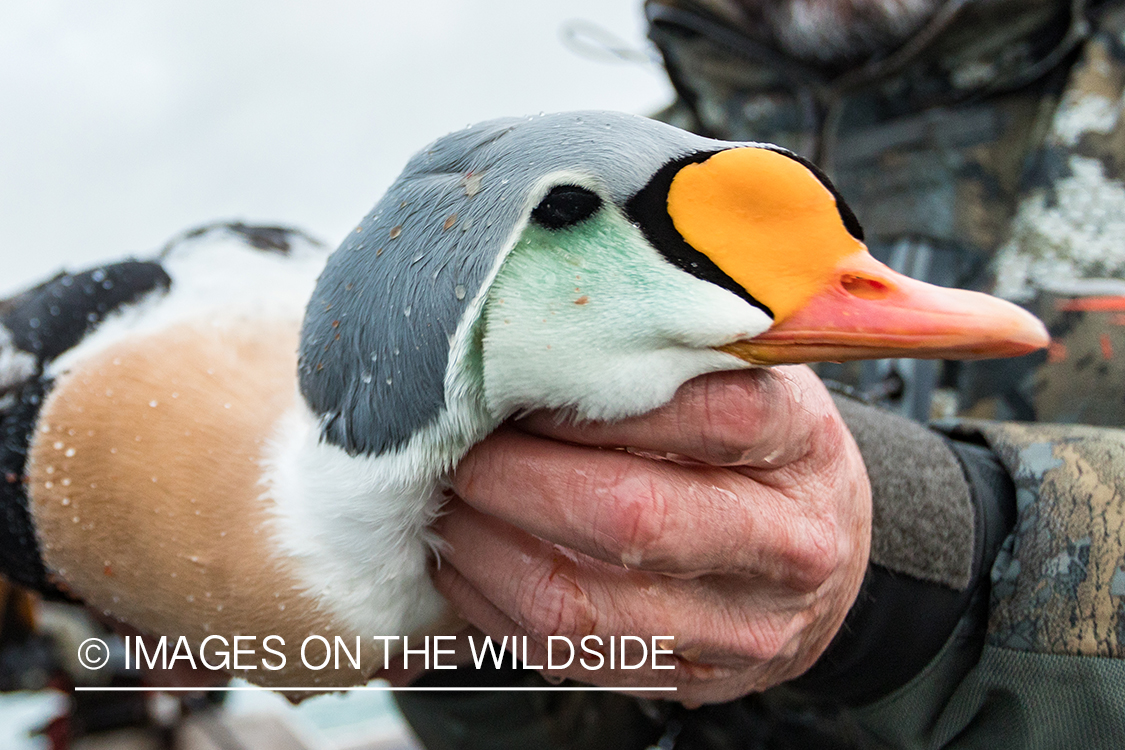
(357, 527)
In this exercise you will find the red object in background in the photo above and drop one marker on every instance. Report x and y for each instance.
(1091, 304)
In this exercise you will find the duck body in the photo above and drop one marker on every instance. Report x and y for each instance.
(257, 444)
(145, 469)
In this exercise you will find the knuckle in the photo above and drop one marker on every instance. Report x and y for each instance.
(632, 521)
(755, 642)
(830, 440)
(756, 413)
(473, 471)
(832, 434)
(731, 407)
(553, 603)
(813, 554)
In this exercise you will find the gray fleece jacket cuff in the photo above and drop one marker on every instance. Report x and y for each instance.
(923, 517)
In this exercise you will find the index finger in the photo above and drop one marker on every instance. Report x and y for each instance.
(759, 418)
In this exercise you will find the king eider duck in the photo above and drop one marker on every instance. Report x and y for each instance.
(249, 438)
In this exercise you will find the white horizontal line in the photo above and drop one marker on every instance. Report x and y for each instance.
(367, 688)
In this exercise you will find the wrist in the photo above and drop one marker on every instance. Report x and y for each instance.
(927, 491)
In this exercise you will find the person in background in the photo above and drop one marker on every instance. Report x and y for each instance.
(980, 143)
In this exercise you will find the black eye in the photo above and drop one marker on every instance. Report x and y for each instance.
(565, 206)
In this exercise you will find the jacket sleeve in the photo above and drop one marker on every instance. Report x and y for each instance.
(1039, 659)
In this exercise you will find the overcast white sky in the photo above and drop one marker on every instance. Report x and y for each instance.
(123, 122)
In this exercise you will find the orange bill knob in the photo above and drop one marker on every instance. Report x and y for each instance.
(765, 220)
(772, 226)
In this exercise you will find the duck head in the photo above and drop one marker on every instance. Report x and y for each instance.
(596, 261)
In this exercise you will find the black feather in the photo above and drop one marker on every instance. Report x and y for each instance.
(38, 326)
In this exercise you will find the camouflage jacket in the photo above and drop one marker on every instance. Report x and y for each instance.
(1039, 659)
(984, 153)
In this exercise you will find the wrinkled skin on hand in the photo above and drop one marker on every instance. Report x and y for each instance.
(737, 518)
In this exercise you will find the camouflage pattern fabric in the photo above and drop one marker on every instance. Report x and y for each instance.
(1058, 585)
(986, 153)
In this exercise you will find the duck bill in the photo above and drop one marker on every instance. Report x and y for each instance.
(869, 311)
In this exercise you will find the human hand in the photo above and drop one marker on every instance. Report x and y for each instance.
(738, 521)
